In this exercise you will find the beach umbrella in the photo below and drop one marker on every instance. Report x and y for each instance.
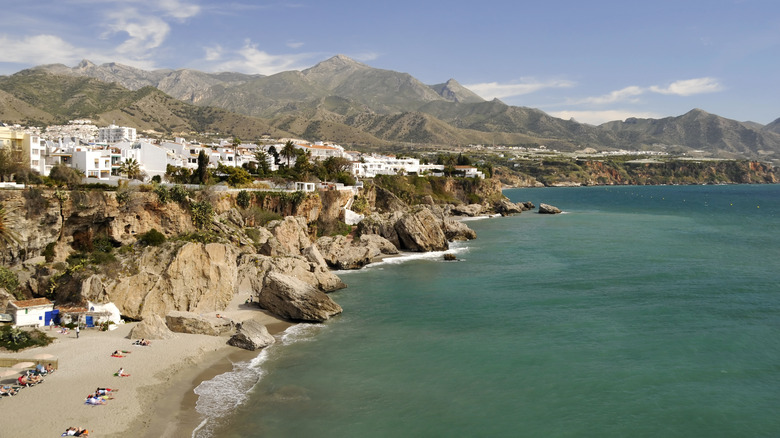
(43, 356)
(24, 365)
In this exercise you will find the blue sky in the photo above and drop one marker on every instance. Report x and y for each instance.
(592, 60)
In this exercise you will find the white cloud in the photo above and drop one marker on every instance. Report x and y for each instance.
(490, 90)
(144, 32)
(294, 44)
(690, 87)
(32, 49)
(249, 59)
(599, 117)
(177, 9)
(627, 93)
(213, 53)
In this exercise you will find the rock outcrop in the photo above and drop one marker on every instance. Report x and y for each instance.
(293, 299)
(505, 207)
(152, 327)
(548, 209)
(193, 323)
(255, 267)
(289, 237)
(341, 252)
(470, 210)
(419, 230)
(194, 277)
(251, 335)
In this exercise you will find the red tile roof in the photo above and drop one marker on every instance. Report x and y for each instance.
(32, 303)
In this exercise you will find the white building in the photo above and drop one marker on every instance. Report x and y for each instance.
(36, 312)
(95, 163)
(321, 151)
(152, 159)
(372, 165)
(115, 134)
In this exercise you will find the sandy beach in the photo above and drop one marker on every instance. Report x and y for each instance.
(156, 400)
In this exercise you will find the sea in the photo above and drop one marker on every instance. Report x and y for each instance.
(640, 311)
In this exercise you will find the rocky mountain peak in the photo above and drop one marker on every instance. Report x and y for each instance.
(85, 64)
(455, 92)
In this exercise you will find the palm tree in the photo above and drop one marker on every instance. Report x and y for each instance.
(131, 168)
(288, 151)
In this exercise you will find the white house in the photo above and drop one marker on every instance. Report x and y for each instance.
(36, 312)
(321, 151)
(469, 172)
(152, 158)
(95, 163)
(373, 165)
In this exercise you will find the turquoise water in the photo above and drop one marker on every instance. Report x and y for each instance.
(640, 311)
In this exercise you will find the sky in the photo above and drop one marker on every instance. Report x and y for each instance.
(591, 60)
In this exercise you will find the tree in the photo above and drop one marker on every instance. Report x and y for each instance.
(65, 175)
(302, 164)
(263, 168)
(201, 175)
(336, 165)
(274, 153)
(288, 152)
(131, 168)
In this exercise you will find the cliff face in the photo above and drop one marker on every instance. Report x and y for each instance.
(569, 172)
(84, 245)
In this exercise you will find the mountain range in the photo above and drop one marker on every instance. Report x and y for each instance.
(351, 103)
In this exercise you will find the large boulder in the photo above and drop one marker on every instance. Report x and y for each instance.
(505, 207)
(293, 299)
(381, 225)
(340, 254)
(548, 209)
(386, 201)
(289, 237)
(376, 244)
(251, 335)
(188, 322)
(254, 268)
(457, 230)
(419, 230)
(152, 327)
(194, 277)
(467, 210)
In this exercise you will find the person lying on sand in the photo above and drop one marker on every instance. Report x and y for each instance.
(104, 391)
(7, 390)
(121, 373)
(116, 354)
(92, 400)
(75, 431)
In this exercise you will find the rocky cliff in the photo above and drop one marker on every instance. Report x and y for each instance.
(152, 256)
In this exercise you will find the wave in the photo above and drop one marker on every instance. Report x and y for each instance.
(403, 257)
(220, 396)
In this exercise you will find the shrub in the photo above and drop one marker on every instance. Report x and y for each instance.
(202, 213)
(178, 194)
(157, 179)
(152, 238)
(243, 198)
(9, 281)
(162, 193)
(15, 339)
(48, 252)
